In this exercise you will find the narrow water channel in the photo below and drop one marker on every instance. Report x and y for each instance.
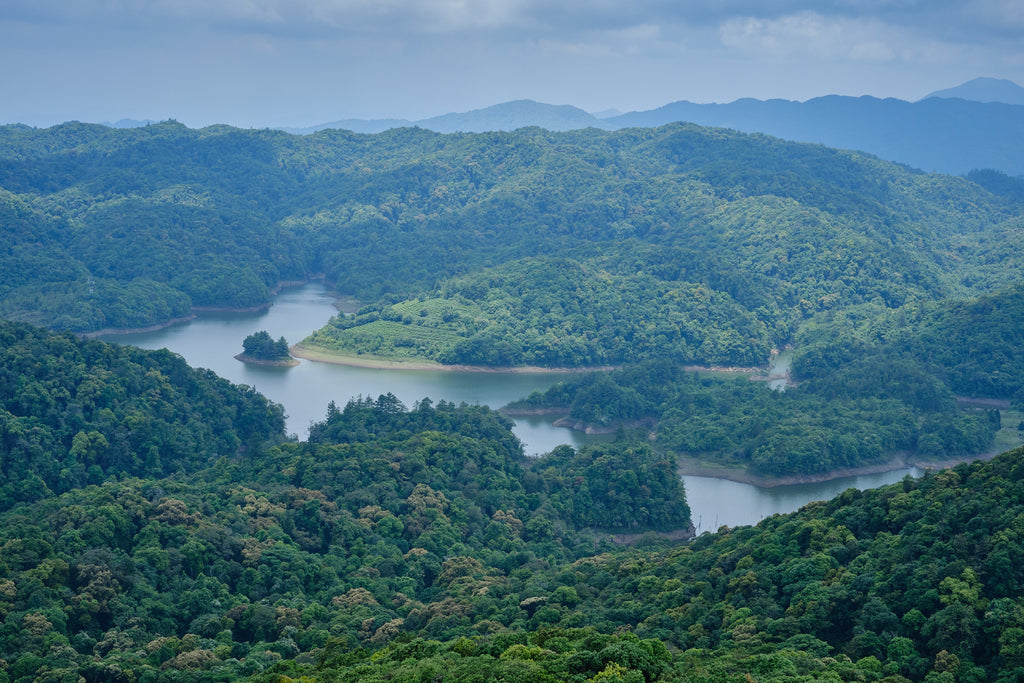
(212, 340)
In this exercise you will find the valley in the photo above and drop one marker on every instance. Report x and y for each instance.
(169, 513)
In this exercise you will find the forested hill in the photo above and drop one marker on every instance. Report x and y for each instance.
(74, 413)
(869, 382)
(977, 125)
(193, 543)
(696, 244)
(916, 581)
(156, 525)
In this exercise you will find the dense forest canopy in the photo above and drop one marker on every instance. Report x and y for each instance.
(417, 543)
(976, 347)
(157, 524)
(677, 245)
(76, 412)
(696, 244)
(870, 382)
(151, 510)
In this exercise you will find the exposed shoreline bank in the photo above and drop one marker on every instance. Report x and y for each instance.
(533, 412)
(110, 331)
(289, 363)
(693, 467)
(300, 351)
(136, 330)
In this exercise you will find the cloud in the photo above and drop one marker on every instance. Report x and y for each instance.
(252, 60)
(631, 41)
(970, 21)
(1002, 16)
(811, 35)
(282, 17)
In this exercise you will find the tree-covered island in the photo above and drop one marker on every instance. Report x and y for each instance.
(261, 349)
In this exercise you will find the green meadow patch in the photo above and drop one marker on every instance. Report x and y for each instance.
(411, 330)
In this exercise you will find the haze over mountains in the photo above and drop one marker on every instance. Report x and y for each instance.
(984, 90)
(157, 523)
(978, 124)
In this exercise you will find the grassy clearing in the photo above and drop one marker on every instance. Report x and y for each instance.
(410, 330)
(1009, 436)
(389, 339)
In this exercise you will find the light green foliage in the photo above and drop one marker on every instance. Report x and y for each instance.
(556, 313)
(584, 247)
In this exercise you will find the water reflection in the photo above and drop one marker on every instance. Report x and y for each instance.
(212, 340)
(720, 502)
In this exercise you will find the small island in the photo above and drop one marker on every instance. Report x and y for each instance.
(260, 349)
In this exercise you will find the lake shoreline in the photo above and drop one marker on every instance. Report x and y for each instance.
(280, 363)
(300, 351)
(195, 310)
(693, 467)
(109, 331)
(533, 412)
(212, 340)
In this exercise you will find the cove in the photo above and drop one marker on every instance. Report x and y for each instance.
(211, 341)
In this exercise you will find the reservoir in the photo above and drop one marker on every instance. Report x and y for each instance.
(212, 340)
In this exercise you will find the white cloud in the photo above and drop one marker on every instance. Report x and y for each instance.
(1002, 15)
(814, 36)
(251, 60)
(773, 23)
(630, 41)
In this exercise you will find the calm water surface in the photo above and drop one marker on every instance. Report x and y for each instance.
(720, 502)
(212, 340)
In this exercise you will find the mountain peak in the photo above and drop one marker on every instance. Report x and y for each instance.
(984, 90)
(512, 115)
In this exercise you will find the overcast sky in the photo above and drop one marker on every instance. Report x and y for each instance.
(302, 62)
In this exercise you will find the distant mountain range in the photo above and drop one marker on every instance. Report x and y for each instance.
(976, 125)
(935, 134)
(985, 90)
(506, 116)
(128, 123)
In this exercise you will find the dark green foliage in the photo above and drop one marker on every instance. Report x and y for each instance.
(155, 526)
(615, 487)
(470, 452)
(999, 183)
(187, 212)
(872, 381)
(387, 522)
(76, 412)
(737, 421)
(90, 304)
(259, 345)
(927, 353)
(574, 248)
(403, 544)
(550, 655)
(905, 582)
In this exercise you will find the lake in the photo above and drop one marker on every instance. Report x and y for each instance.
(212, 340)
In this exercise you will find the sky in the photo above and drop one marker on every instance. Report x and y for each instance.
(257, 63)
